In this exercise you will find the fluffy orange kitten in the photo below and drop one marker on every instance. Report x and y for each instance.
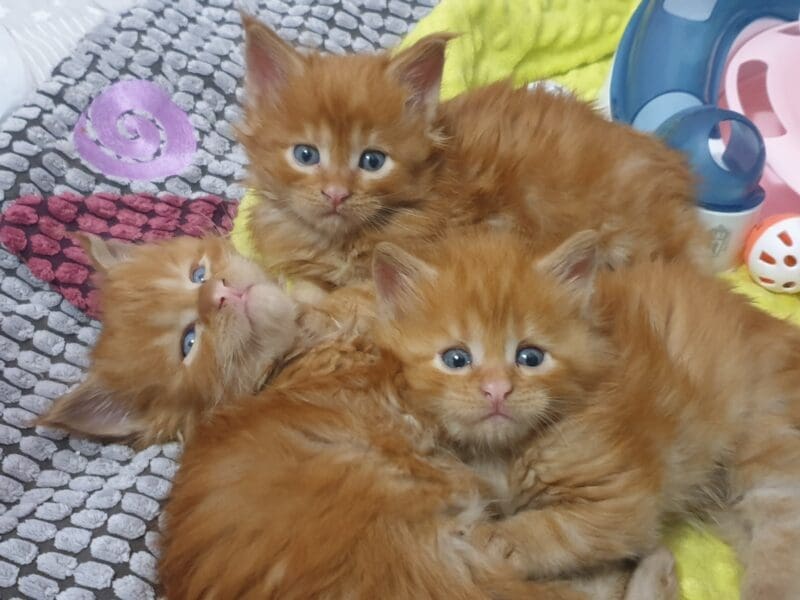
(347, 151)
(345, 497)
(186, 323)
(613, 400)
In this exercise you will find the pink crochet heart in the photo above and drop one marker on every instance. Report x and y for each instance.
(36, 228)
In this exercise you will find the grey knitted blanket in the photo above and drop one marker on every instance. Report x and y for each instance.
(143, 106)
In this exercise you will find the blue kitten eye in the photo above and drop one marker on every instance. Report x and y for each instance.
(530, 356)
(371, 160)
(306, 155)
(456, 358)
(198, 274)
(189, 338)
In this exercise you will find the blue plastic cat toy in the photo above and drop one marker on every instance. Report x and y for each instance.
(666, 79)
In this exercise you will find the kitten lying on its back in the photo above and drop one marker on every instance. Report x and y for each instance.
(612, 400)
(187, 324)
(348, 151)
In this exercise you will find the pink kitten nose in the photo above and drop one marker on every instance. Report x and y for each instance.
(496, 391)
(225, 293)
(216, 293)
(336, 194)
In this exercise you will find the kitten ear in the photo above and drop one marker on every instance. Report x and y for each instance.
(419, 68)
(574, 263)
(396, 274)
(103, 253)
(92, 410)
(269, 59)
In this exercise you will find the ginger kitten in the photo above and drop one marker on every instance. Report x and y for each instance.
(340, 497)
(187, 323)
(604, 403)
(322, 487)
(347, 151)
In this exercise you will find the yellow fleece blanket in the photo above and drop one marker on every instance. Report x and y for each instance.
(571, 42)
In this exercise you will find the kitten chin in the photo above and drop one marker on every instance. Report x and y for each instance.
(269, 310)
(488, 432)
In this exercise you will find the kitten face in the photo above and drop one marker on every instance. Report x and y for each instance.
(335, 141)
(337, 178)
(184, 322)
(493, 347)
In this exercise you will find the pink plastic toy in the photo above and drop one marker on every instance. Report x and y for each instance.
(772, 253)
(761, 82)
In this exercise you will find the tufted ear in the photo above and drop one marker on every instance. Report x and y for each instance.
(104, 254)
(92, 410)
(270, 60)
(396, 274)
(574, 263)
(419, 68)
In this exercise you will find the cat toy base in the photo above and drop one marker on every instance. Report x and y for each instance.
(729, 232)
(772, 254)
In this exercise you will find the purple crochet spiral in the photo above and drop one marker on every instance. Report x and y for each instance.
(133, 129)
